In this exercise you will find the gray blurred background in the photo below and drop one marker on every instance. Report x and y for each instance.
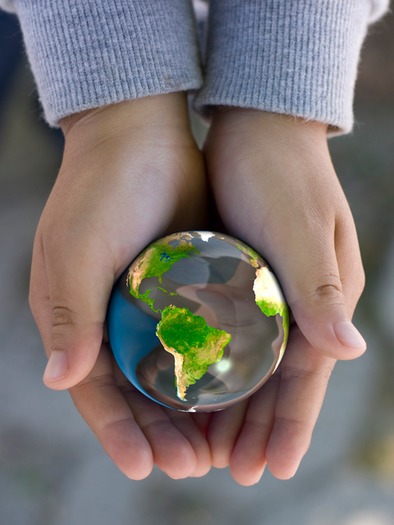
(52, 470)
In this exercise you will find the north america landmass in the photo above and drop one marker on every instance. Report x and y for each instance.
(194, 344)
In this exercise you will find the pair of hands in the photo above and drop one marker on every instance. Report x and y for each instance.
(131, 173)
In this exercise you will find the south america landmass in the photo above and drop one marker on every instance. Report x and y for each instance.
(194, 344)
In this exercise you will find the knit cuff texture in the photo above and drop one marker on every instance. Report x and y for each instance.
(297, 57)
(90, 53)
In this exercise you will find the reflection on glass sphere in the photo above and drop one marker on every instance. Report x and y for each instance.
(198, 321)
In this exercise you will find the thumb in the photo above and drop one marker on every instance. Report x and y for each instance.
(323, 288)
(321, 314)
(71, 318)
(75, 344)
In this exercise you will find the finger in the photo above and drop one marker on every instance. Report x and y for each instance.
(314, 286)
(202, 420)
(304, 375)
(102, 405)
(172, 451)
(79, 287)
(248, 458)
(188, 428)
(223, 431)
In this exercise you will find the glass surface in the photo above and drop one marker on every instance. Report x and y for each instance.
(198, 321)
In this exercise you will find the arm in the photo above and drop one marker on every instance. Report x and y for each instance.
(279, 78)
(113, 76)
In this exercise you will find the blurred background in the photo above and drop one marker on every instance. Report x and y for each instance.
(52, 470)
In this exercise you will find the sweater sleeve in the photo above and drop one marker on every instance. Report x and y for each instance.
(297, 57)
(90, 53)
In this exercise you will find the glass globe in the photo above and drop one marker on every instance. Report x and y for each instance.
(198, 321)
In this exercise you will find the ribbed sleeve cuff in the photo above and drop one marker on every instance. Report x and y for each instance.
(297, 57)
(90, 53)
(378, 9)
(7, 5)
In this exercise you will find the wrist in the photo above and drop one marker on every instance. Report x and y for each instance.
(148, 114)
(265, 119)
(284, 134)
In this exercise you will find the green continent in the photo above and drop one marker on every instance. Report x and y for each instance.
(271, 302)
(270, 308)
(194, 344)
(155, 261)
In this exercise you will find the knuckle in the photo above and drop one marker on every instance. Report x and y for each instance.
(330, 291)
(62, 316)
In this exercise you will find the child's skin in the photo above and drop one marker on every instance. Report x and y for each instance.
(131, 173)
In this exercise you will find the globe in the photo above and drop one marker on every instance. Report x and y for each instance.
(198, 321)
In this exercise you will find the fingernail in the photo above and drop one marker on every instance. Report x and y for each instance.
(348, 335)
(57, 366)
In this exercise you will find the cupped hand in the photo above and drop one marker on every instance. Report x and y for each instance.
(275, 188)
(130, 173)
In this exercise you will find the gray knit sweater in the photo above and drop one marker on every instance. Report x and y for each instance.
(297, 57)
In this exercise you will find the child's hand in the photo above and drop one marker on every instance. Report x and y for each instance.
(130, 173)
(275, 188)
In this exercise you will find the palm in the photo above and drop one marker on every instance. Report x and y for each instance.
(277, 190)
(115, 193)
(136, 432)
